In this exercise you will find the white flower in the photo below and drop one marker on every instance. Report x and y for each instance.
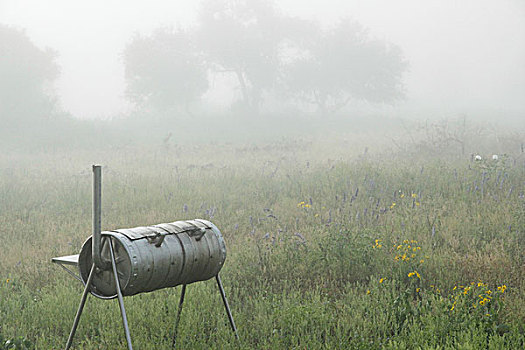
(495, 157)
(477, 157)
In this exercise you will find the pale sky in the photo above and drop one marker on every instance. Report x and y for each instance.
(464, 55)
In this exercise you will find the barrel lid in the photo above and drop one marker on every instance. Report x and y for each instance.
(163, 229)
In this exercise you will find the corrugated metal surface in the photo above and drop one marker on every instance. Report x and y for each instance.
(155, 257)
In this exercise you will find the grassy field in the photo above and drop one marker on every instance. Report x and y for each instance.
(354, 242)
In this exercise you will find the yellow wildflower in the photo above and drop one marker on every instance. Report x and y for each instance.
(402, 195)
(414, 195)
(368, 291)
(417, 290)
(381, 280)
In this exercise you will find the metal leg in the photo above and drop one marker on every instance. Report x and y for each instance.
(81, 307)
(226, 306)
(119, 294)
(179, 310)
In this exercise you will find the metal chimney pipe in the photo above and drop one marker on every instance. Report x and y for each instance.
(97, 204)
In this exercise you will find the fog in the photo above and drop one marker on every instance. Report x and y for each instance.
(460, 58)
(464, 56)
(363, 159)
(89, 38)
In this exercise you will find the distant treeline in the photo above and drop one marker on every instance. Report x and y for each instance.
(270, 59)
(267, 61)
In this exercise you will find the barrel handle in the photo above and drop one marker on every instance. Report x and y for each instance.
(197, 233)
(156, 239)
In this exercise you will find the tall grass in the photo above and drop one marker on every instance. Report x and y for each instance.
(314, 230)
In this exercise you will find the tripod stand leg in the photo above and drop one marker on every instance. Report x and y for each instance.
(81, 307)
(119, 294)
(226, 306)
(179, 310)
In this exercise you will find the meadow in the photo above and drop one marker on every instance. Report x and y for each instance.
(354, 241)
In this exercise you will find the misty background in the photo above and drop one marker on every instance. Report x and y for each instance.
(110, 68)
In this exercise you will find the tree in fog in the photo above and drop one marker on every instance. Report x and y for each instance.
(339, 65)
(241, 37)
(164, 70)
(26, 74)
(269, 55)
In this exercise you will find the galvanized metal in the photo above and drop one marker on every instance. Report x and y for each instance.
(69, 260)
(84, 297)
(226, 306)
(129, 261)
(119, 294)
(155, 257)
(177, 319)
(80, 307)
(97, 210)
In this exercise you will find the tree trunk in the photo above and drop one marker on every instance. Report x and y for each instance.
(244, 88)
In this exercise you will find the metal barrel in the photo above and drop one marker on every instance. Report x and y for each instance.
(155, 257)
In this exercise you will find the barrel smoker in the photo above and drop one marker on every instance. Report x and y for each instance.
(125, 262)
